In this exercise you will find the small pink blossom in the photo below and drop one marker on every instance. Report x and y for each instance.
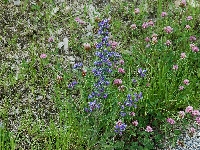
(189, 18)
(132, 114)
(175, 67)
(186, 82)
(151, 23)
(135, 123)
(183, 55)
(121, 70)
(195, 49)
(187, 27)
(148, 129)
(192, 45)
(189, 109)
(147, 39)
(193, 38)
(181, 88)
(163, 14)
(145, 25)
(154, 40)
(133, 26)
(170, 120)
(154, 35)
(137, 10)
(121, 88)
(43, 56)
(183, 3)
(148, 45)
(77, 19)
(121, 61)
(168, 43)
(197, 120)
(192, 130)
(195, 113)
(117, 82)
(181, 114)
(168, 29)
(51, 39)
(113, 44)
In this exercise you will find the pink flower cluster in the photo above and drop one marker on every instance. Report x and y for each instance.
(77, 19)
(168, 29)
(170, 120)
(194, 48)
(113, 44)
(148, 129)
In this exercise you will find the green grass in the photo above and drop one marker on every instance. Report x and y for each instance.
(39, 111)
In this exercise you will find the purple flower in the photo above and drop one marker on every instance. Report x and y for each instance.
(163, 14)
(93, 105)
(141, 72)
(168, 29)
(120, 127)
(138, 96)
(72, 84)
(77, 65)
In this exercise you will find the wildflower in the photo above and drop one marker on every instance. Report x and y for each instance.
(121, 61)
(87, 46)
(189, 109)
(137, 10)
(175, 67)
(183, 3)
(132, 114)
(186, 82)
(195, 113)
(117, 82)
(197, 120)
(122, 114)
(147, 39)
(138, 96)
(195, 49)
(113, 44)
(163, 14)
(192, 130)
(43, 56)
(154, 35)
(59, 78)
(189, 18)
(93, 105)
(154, 40)
(181, 88)
(141, 72)
(151, 23)
(193, 38)
(192, 45)
(77, 19)
(168, 43)
(129, 101)
(120, 127)
(168, 29)
(181, 114)
(77, 65)
(72, 84)
(121, 88)
(183, 55)
(51, 39)
(148, 45)
(135, 123)
(134, 80)
(145, 25)
(121, 70)
(148, 129)
(187, 27)
(133, 26)
(171, 121)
